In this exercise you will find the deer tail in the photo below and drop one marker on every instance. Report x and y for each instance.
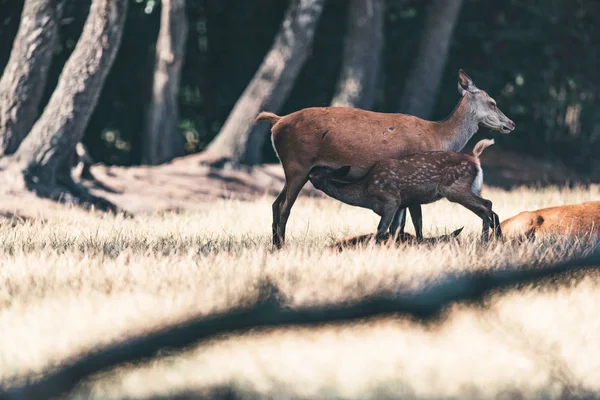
(481, 146)
(268, 116)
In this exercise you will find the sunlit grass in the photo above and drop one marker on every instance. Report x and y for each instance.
(72, 280)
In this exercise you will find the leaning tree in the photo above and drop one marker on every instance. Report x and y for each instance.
(240, 139)
(24, 79)
(42, 162)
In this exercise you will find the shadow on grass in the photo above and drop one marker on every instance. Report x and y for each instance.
(234, 392)
(271, 310)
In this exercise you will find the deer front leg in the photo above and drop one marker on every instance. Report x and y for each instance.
(282, 207)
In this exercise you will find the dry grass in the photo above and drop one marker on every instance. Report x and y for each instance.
(71, 280)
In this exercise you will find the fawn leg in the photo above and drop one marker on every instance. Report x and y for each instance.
(417, 220)
(387, 215)
(398, 223)
(496, 225)
(480, 206)
(485, 230)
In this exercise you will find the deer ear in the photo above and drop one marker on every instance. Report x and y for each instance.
(465, 83)
(461, 90)
(464, 79)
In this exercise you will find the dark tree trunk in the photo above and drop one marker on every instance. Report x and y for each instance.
(46, 152)
(422, 85)
(240, 139)
(163, 140)
(25, 75)
(362, 49)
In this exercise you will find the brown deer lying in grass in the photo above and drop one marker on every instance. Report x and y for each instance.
(413, 180)
(570, 220)
(340, 136)
(402, 238)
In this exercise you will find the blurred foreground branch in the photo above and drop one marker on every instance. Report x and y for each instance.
(270, 311)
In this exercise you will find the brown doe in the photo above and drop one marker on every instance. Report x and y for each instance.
(580, 220)
(340, 136)
(422, 178)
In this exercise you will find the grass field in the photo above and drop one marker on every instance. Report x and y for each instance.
(72, 280)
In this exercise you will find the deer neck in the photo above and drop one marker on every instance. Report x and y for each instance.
(456, 130)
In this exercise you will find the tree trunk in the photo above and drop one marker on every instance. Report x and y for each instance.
(25, 75)
(240, 139)
(46, 151)
(163, 140)
(422, 85)
(362, 49)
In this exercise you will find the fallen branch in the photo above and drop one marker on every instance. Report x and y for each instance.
(270, 311)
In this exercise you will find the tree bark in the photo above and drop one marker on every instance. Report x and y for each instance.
(163, 140)
(422, 85)
(25, 75)
(240, 139)
(362, 50)
(46, 151)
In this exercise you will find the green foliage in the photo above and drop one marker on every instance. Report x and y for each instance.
(538, 58)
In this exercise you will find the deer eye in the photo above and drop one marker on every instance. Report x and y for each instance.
(492, 104)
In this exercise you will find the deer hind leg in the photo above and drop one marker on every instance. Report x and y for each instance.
(480, 206)
(284, 204)
(496, 224)
(494, 221)
(276, 216)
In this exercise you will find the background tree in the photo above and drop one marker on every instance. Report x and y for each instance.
(24, 78)
(362, 48)
(552, 94)
(420, 93)
(240, 139)
(46, 153)
(163, 139)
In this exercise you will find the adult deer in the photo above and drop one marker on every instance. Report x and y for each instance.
(340, 136)
(575, 220)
